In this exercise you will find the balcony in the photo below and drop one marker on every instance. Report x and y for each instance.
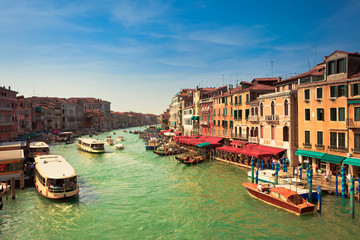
(204, 123)
(338, 148)
(353, 123)
(320, 146)
(356, 150)
(254, 118)
(253, 140)
(272, 118)
(307, 145)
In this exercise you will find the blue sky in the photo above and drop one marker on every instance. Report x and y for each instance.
(138, 54)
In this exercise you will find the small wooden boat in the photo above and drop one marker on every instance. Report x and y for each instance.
(193, 160)
(119, 146)
(280, 197)
(109, 141)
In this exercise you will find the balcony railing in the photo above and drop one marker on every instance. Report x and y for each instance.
(272, 118)
(353, 123)
(338, 148)
(320, 146)
(253, 118)
(307, 145)
(356, 150)
(253, 140)
(205, 123)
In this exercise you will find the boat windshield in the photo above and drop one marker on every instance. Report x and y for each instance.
(43, 150)
(97, 146)
(61, 185)
(296, 199)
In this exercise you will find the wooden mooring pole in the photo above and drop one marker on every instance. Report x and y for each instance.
(12, 188)
(22, 179)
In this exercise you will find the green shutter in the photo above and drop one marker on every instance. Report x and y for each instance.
(352, 89)
(327, 69)
(346, 90)
(337, 91)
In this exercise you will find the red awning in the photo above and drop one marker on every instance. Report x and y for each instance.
(177, 133)
(259, 151)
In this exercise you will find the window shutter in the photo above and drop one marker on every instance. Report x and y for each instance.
(346, 90)
(352, 86)
(336, 91)
(344, 62)
(327, 69)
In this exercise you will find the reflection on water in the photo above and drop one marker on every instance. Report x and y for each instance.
(135, 194)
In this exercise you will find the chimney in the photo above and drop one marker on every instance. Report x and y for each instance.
(9, 88)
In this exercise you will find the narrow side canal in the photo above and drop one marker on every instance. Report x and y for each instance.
(135, 194)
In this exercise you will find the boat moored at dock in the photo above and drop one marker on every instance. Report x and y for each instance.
(91, 145)
(55, 177)
(280, 197)
(38, 149)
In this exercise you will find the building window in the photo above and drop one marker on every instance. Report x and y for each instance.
(307, 114)
(341, 138)
(272, 108)
(256, 111)
(240, 100)
(278, 89)
(341, 114)
(331, 68)
(236, 100)
(332, 114)
(262, 131)
(333, 139)
(357, 114)
(261, 109)
(307, 94)
(320, 114)
(290, 86)
(337, 91)
(286, 108)
(247, 111)
(320, 138)
(247, 98)
(340, 66)
(319, 93)
(355, 89)
(240, 114)
(307, 137)
(356, 142)
(285, 134)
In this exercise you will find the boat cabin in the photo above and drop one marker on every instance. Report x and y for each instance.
(38, 148)
(91, 145)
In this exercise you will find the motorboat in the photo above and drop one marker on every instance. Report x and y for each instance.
(119, 146)
(280, 197)
(120, 138)
(109, 141)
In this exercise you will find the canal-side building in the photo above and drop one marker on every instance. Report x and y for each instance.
(328, 120)
(243, 100)
(8, 120)
(274, 119)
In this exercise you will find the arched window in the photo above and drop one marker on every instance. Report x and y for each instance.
(256, 132)
(261, 109)
(286, 108)
(252, 112)
(272, 108)
(256, 111)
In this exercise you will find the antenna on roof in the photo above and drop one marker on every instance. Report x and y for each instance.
(223, 79)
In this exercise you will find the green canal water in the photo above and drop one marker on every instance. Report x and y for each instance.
(135, 194)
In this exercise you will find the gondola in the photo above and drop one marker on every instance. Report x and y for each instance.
(167, 153)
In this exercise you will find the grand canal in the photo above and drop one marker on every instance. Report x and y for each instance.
(135, 194)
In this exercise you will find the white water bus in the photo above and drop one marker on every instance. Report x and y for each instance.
(91, 145)
(55, 177)
(38, 149)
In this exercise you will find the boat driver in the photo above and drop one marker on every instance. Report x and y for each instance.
(260, 188)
